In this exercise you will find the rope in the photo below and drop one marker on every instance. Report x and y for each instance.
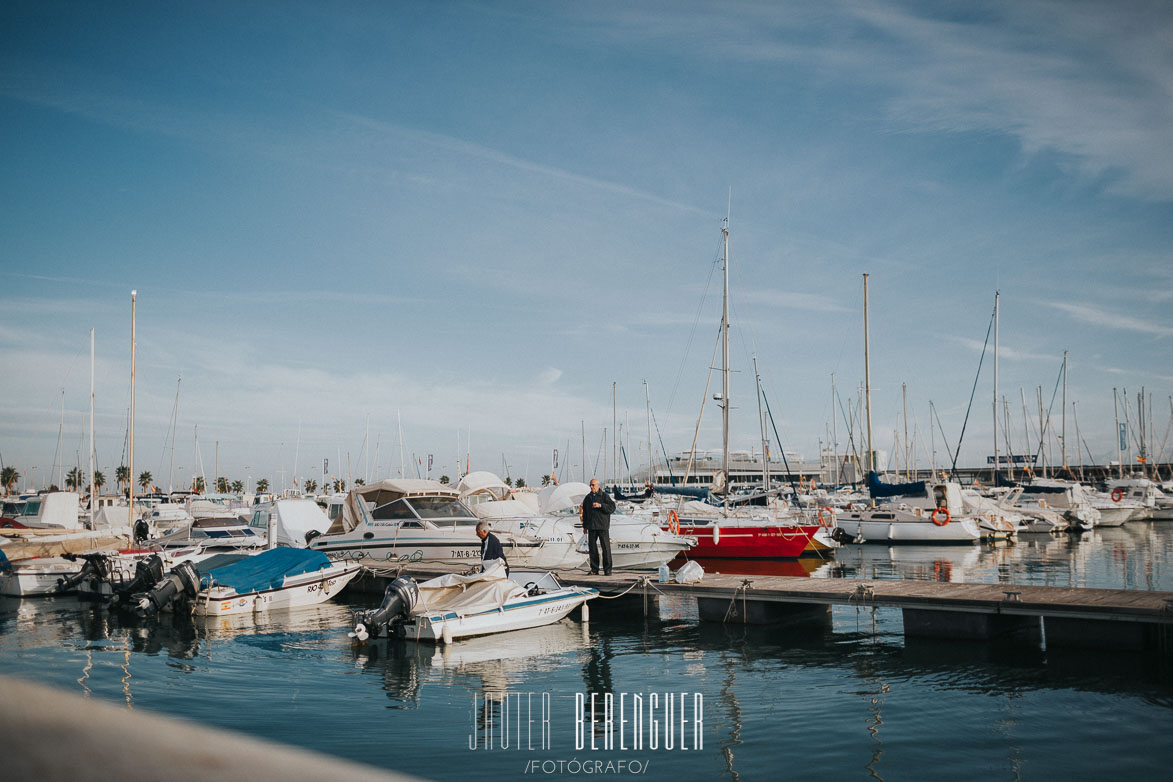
(746, 585)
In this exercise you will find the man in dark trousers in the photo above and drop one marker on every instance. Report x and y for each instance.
(490, 546)
(597, 508)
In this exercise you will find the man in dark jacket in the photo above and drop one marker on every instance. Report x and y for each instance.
(490, 546)
(597, 508)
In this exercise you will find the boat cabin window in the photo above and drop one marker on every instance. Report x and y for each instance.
(441, 508)
(260, 520)
(399, 509)
(31, 508)
(883, 515)
(939, 495)
(333, 511)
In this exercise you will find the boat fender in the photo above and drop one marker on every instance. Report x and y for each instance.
(1117, 494)
(446, 634)
(941, 516)
(716, 534)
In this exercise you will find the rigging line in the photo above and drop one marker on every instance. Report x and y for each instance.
(850, 428)
(972, 392)
(944, 439)
(663, 448)
(781, 448)
(692, 331)
(1047, 422)
(696, 432)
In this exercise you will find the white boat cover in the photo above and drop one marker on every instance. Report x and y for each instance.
(564, 496)
(502, 509)
(111, 517)
(529, 498)
(483, 482)
(295, 518)
(354, 508)
(468, 594)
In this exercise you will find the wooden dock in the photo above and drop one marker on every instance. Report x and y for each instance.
(1090, 618)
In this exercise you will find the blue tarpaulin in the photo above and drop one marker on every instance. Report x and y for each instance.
(266, 570)
(879, 489)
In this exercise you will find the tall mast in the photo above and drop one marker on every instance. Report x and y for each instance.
(174, 424)
(93, 497)
(614, 437)
(904, 396)
(867, 376)
(130, 522)
(762, 421)
(997, 466)
(834, 434)
(651, 460)
(725, 367)
(1063, 452)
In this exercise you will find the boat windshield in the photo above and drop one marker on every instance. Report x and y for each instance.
(399, 509)
(31, 508)
(441, 508)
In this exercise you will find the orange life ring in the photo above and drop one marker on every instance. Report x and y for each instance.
(1117, 494)
(937, 513)
(826, 516)
(673, 522)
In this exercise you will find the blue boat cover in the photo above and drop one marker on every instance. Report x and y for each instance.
(878, 488)
(266, 570)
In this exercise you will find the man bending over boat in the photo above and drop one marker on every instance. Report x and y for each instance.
(490, 546)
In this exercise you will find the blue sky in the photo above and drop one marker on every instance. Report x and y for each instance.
(480, 215)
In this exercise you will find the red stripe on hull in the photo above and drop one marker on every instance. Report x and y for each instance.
(749, 542)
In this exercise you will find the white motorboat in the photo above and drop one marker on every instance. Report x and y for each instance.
(519, 513)
(1145, 492)
(1064, 497)
(274, 579)
(917, 512)
(458, 606)
(411, 520)
(215, 533)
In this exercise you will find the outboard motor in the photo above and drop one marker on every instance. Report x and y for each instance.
(147, 573)
(401, 596)
(142, 531)
(96, 569)
(842, 536)
(184, 582)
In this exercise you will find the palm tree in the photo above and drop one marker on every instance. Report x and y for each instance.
(74, 479)
(237, 487)
(311, 486)
(520, 484)
(222, 485)
(9, 476)
(144, 479)
(99, 479)
(197, 484)
(122, 475)
(263, 485)
(545, 480)
(339, 485)
(359, 482)
(508, 481)
(444, 479)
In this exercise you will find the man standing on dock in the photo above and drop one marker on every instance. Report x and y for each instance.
(490, 546)
(597, 508)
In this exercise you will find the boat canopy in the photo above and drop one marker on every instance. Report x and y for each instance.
(879, 489)
(563, 496)
(354, 508)
(294, 519)
(266, 570)
(483, 484)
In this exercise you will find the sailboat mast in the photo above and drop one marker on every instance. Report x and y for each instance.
(614, 437)
(997, 466)
(834, 434)
(174, 424)
(93, 496)
(130, 476)
(725, 367)
(651, 461)
(1063, 453)
(904, 397)
(867, 376)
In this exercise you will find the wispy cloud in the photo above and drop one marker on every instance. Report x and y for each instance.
(1005, 352)
(1097, 317)
(794, 300)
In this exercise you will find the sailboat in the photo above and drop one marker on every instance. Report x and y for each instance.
(719, 532)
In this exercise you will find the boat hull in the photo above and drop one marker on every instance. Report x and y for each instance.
(749, 542)
(895, 531)
(519, 614)
(306, 589)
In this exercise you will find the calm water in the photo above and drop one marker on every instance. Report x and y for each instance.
(853, 700)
